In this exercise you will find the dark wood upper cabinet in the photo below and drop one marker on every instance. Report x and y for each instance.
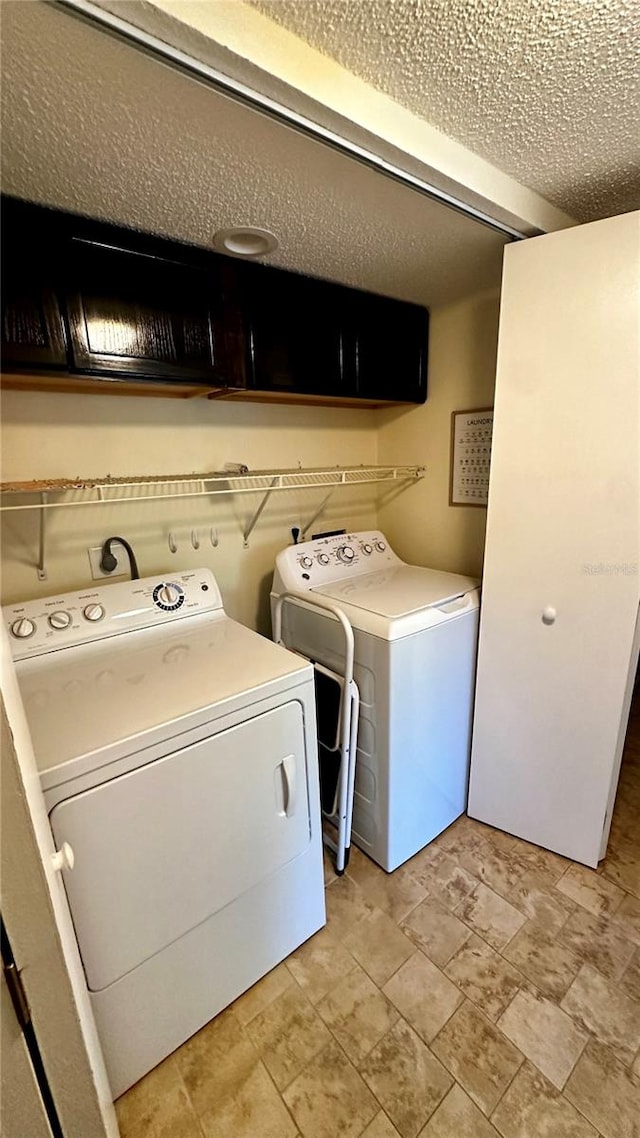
(390, 338)
(137, 314)
(33, 333)
(296, 334)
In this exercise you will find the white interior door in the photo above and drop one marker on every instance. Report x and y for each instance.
(560, 590)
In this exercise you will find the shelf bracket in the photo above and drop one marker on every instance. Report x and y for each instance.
(249, 530)
(303, 533)
(42, 571)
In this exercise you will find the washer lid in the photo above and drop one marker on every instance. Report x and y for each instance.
(398, 592)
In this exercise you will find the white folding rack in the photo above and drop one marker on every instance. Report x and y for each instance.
(55, 493)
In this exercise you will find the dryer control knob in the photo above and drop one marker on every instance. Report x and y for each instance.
(60, 619)
(323, 559)
(346, 553)
(381, 546)
(23, 628)
(366, 548)
(168, 595)
(93, 612)
(306, 562)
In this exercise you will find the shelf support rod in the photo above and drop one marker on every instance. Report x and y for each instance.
(249, 530)
(319, 511)
(42, 571)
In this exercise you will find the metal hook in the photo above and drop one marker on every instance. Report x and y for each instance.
(173, 545)
(195, 540)
(214, 537)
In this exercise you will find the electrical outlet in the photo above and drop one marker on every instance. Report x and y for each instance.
(95, 557)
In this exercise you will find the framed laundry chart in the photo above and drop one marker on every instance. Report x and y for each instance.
(470, 457)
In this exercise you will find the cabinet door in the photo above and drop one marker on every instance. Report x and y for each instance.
(296, 334)
(32, 327)
(141, 315)
(560, 589)
(390, 349)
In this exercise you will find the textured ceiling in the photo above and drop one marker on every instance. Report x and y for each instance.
(546, 90)
(92, 125)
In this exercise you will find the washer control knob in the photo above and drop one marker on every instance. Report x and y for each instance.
(323, 559)
(93, 612)
(306, 562)
(60, 619)
(346, 553)
(23, 628)
(366, 548)
(381, 546)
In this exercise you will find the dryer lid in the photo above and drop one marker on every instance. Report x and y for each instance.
(400, 591)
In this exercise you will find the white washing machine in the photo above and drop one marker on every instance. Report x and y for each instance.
(415, 633)
(178, 760)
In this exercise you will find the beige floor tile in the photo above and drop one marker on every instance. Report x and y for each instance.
(599, 941)
(406, 1078)
(630, 982)
(627, 918)
(256, 1108)
(262, 994)
(346, 906)
(489, 915)
(533, 1108)
(540, 903)
(318, 963)
(545, 1034)
(395, 893)
(216, 1062)
(444, 879)
(622, 866)
(486, 979)
(436, 931)
(550, 965)
(157, 1107)
(500, 869)
(463, 835)
(329, 1097)
(287, 1035)
(381, 1127)
(423, 995)
(458, 1117)
(606, 1093)
(358, 1014)
(547, 865)
(606, 1011)
(379, 946)
(590, 890)
(478, 1056)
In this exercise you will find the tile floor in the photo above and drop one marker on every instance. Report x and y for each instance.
(485, 988)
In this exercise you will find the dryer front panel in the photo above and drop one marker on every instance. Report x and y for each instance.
(162, 848)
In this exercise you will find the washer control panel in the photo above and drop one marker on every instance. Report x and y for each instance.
(314, 563)
(69, 619)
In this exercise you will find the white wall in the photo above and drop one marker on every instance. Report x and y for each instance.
(59, 435)
(421, 525)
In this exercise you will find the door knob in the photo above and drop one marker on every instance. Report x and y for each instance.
(64, 858)
(549, 615)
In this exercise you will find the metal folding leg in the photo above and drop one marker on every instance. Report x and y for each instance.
(341, 813)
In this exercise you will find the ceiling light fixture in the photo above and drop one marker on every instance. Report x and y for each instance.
(245, 241)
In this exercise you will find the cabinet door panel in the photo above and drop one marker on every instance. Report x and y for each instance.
(32, 328)
(141, 315)
(296, 329)
(391, 349)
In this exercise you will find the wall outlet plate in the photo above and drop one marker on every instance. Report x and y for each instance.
(95, 557)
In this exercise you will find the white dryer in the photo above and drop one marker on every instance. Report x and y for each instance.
(415, 633)
(178, 760)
